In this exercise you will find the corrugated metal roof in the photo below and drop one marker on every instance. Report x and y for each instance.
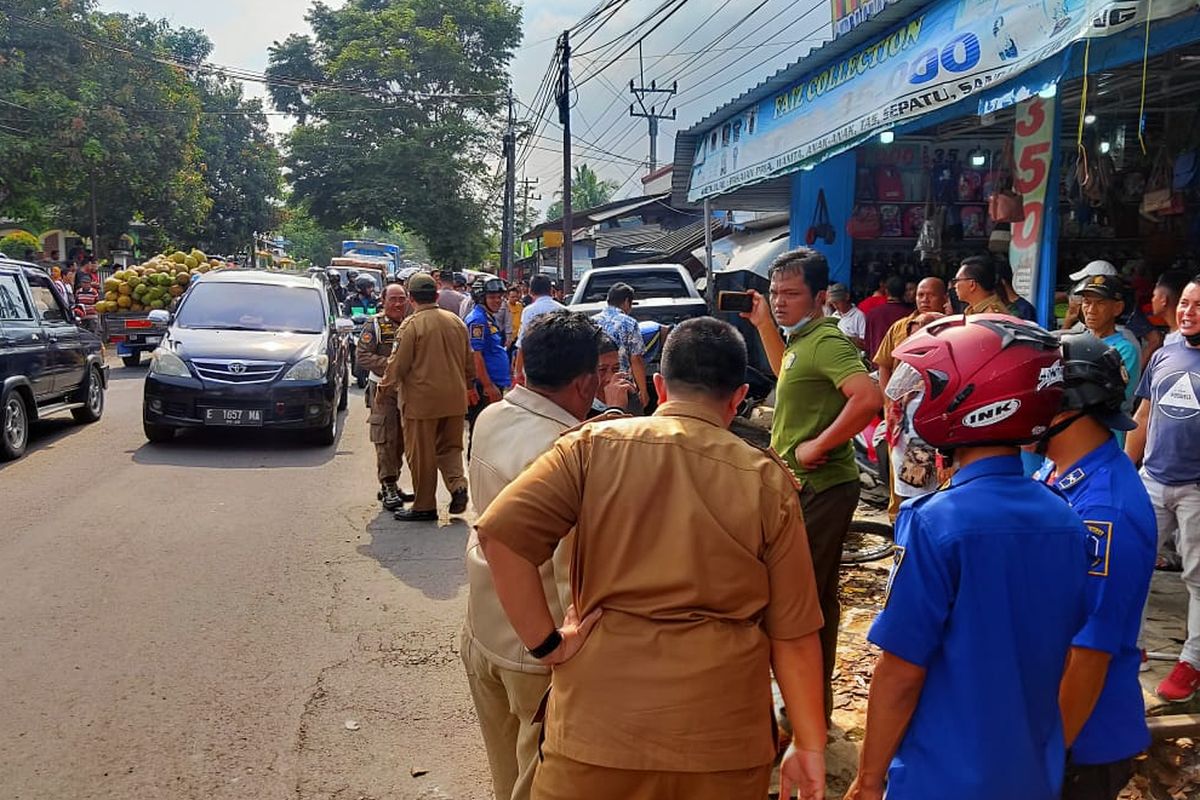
(590, 216)
(682, 240)
(608, 238)
(685, 140)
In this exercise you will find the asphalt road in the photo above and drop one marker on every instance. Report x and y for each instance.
(224, 616)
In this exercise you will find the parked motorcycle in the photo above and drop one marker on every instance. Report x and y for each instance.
(874, 472)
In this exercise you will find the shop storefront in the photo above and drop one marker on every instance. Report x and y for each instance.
(1050, 134)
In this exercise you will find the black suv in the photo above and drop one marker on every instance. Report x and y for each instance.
(253, 349)
(48, 364)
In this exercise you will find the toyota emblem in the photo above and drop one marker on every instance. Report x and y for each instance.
(237, 367)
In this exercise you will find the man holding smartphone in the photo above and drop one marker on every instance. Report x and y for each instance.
(824, 397)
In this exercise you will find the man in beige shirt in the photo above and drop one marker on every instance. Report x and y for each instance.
(691, 573)
(975, 285)
(508, 684)
(435, 373)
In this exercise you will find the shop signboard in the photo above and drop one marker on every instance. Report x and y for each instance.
(953, 50)
(849, 14)
(1033, 141)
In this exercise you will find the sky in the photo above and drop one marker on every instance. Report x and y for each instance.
(612, 143)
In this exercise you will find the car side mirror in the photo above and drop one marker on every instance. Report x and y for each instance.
(343, 325)
(160, 316)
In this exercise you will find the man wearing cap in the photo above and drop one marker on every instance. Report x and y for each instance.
(851, 320)
(1103, 302)
(449, 298)
(1168, 439)
(434, 370)
(975, 286)
(1104, 718)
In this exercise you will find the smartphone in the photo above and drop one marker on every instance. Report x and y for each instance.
(740, 302)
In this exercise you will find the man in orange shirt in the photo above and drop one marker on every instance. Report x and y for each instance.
(661, 681)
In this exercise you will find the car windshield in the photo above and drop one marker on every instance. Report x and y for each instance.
(345, 278)
(252, 307)
(660, 283)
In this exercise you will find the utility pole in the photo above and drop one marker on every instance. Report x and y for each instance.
(567, 259)
(510, 201)
(652, 114)
(526, 185)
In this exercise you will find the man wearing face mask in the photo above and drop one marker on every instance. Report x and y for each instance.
(824, 397)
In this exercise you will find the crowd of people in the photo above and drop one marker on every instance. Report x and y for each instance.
(636, 580)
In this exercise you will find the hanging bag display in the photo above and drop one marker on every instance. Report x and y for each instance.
(1158, 186)
(929, 241)
(822, 227)
(864, 223)
(1005, 205)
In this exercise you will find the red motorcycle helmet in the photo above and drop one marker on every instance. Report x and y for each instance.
(988, 379)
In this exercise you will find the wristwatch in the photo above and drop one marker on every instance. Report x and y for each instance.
(547, 647)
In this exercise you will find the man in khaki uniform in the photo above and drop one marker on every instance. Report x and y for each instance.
(374, 347)
(975, 285)
(433, 371)
(692, 579)
(508, 684)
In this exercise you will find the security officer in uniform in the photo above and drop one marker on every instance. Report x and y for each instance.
(493, 374)
(1104, 717)
(375, 345)
(981, 607)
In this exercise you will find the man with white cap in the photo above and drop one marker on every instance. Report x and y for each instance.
(851, 320)
(1073, 321)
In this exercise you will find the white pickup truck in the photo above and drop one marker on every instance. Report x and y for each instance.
(663, 293)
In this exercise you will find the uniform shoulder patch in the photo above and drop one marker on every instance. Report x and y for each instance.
(1100, 534)
(1070, 479)
(367, 336)
(897, 559)
(477, 331)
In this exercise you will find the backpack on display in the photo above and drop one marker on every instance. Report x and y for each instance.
(914, 217)
(888, 184)
(970, 184)
(974, 222)
(890, 223)
(945, 177)
(864, 188)
(1185, 171)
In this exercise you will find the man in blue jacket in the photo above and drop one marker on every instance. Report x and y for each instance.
(1104, 718)
(987, 590)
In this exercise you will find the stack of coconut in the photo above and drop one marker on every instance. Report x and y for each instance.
(155, 283)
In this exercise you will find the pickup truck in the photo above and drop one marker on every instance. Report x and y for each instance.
(48, 363)
(134, 333)
(663, 293)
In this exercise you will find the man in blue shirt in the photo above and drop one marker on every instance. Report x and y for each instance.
(1104, 718)
(615, 320)
(987, 589)
(1168, 436)
(492, 373)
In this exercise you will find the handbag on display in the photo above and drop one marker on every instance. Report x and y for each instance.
(1005, 205)
(864, 223)
(999, 240)
(890, 224)
(821, 228)
(1158, 186)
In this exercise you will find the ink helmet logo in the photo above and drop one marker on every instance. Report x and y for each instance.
(1051, 376)
(992, 414)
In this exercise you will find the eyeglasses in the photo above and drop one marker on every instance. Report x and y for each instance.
(955, 280)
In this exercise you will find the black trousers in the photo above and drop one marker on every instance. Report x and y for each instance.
(1096, 781)
(827, 517)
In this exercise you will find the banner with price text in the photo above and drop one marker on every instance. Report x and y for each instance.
(1032, 154)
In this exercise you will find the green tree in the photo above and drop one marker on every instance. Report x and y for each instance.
(240, 165)
(402, 139)
(96, 113)
(587, 191)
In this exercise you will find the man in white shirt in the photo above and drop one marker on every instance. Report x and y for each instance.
(507, 683)
(539, 289)
(851, 321)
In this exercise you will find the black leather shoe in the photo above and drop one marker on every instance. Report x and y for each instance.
(405, 496)
(458, 501)
(412, 515)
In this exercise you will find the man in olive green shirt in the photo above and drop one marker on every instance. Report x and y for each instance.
(823, 398)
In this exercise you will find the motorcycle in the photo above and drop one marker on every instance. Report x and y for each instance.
(874, 471)
(359, 320)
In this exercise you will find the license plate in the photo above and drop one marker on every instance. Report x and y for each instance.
(153, 339)
(233, 416)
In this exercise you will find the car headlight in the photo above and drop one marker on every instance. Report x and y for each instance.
(164, 362)
(312, 368)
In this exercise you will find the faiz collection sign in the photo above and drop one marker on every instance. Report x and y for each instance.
(930, 61)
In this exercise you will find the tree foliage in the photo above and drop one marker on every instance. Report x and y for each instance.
(587, 191)
(396, 132)
(105, 106)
